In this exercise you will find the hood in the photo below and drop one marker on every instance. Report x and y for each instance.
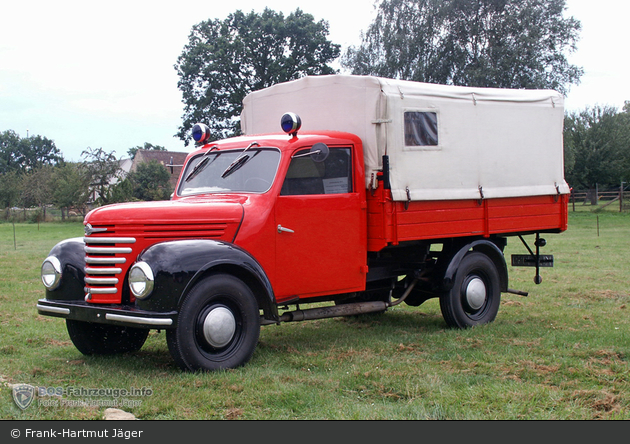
(193, 211)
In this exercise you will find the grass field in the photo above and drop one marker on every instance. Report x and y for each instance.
(561, 353)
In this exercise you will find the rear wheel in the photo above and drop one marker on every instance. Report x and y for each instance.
(103, 339)
(218, 325)
(475, 296)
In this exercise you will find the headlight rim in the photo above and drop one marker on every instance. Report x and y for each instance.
(148, 281)
(56, 272)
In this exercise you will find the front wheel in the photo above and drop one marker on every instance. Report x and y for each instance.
(475, 296)
(103, 339)
(218, 325)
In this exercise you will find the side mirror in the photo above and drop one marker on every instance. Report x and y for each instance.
(319, 152)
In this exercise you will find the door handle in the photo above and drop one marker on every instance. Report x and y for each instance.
(282, 229)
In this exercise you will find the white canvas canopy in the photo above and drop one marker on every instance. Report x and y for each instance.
(443, 142)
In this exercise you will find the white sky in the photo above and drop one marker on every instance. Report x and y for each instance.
(101, 75)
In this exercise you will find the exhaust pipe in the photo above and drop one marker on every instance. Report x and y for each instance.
(334, 311)
(343, 310)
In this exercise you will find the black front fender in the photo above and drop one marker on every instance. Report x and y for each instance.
(71, 255)
(178, 265)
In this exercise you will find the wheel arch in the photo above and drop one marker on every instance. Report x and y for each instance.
(255, 279)
(487, 247)
(179, 265)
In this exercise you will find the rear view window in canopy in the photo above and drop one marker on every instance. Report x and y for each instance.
(421, 128)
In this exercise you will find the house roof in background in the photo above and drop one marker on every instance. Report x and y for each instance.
(166, 158)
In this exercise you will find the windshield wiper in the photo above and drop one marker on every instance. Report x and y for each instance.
(201, 165)
(239, 161)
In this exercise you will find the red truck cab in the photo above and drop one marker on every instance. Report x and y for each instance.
(296, 211)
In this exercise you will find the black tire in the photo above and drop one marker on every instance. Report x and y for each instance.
(218, 325)
(103, 339)
(476, 294)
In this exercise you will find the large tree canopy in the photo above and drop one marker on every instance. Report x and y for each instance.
(597, 147)
(493, 43)
(225, 60)
(26, 154)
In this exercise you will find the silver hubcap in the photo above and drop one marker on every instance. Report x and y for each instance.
(475, 293)
(219, 327)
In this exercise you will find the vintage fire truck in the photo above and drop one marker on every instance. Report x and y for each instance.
(376, 192)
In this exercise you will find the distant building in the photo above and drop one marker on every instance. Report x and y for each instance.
(125, 167)
(166, 158)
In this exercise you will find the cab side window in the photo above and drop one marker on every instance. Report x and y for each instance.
(332, 176)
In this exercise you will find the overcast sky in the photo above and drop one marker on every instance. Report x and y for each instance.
(100, 74)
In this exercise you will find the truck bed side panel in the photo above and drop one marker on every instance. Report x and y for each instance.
(390, 223)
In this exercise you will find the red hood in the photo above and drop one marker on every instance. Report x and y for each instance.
(189, 211)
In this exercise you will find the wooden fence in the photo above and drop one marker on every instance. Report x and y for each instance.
(602, 198)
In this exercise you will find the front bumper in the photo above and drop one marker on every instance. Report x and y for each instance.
(124, 315)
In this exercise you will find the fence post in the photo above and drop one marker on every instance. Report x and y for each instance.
(596, 194)
(14, 238)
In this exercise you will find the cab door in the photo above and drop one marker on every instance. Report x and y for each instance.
(321, 232)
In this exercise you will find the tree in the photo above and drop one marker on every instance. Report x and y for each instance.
(597, 147)
(485, 43)
(150, 181)
(36, 188)
(225, 60)
(122, 192)
(38, 151)
(10, 189)
(26, 154)
(102, 170)
(9, 143)
(147, 146)
(70, 187)
(25, 169)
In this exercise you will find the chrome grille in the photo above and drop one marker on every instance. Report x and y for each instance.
(104, 263)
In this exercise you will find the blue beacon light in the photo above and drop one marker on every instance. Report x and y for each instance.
(200, 133)
(291, 123)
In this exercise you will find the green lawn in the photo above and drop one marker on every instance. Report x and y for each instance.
(561, 353)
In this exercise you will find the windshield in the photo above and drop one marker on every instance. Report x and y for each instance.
(250, 171)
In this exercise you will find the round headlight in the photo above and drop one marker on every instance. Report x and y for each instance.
(51, 272)
(141, 280)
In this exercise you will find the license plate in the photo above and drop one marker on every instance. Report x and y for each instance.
(528, 260)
